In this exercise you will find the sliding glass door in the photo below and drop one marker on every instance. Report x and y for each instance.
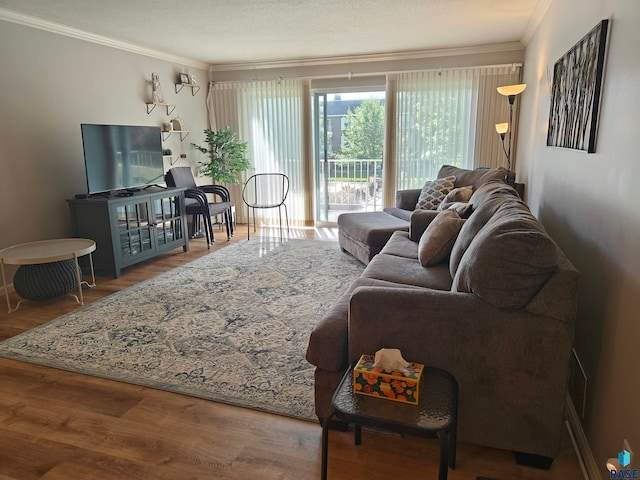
(348, 146)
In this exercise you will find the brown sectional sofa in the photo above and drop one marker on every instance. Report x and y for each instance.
(364, 235)
(499, 315)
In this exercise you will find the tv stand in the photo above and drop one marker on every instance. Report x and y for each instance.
(101, 194)
(133, 228)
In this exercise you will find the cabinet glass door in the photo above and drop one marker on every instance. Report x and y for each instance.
(134, 228)
(168, 223)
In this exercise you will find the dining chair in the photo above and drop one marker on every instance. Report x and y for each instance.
(266, 190)
(197, 203)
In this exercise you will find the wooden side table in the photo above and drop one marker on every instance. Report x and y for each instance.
(49, 251)
(435, 415)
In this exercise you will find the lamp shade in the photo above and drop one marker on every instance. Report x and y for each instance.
(512, 89)
(502, 127)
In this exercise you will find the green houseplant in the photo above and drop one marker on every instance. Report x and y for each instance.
(227, 156)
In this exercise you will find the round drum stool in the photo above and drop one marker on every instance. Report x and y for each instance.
(45, 281)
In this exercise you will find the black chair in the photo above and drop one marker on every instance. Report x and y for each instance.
(266, 190)
(196, 201)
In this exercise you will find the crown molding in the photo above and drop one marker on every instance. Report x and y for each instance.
(534, 20)
(366, 58)
(53, 27)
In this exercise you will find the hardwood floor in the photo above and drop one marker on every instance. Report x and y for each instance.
(61, 425)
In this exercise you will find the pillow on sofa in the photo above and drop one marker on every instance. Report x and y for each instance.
(464, 209)
(434, 192)
(509, 260)
(460, 194)
(438, 239)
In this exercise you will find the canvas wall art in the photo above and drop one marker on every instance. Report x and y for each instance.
(575, 93)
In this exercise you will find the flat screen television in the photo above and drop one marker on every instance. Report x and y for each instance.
(122, 157)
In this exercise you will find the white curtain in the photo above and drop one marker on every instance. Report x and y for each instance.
(269, 116)
(443, 117)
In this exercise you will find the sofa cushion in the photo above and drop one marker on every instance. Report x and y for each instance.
(458, 194)
(399, 212)
(419, 221)
(485, 201)
(407, 271)
(434, 191)
(401, 245)
(371, 228)
(464, 209)
(437, 240)
(509, 260)
(491, 189)
(475, 178)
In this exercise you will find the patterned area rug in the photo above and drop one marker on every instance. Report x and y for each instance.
(232, 326)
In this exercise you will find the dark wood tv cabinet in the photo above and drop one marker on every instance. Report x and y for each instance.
(130, 229)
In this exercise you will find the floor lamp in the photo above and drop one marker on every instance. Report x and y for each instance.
(509, 91)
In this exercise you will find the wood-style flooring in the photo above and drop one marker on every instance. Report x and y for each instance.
(60, 425)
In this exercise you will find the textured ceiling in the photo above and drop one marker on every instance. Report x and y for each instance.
(229, 31)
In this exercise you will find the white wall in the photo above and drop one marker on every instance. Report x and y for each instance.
(50, 85)
(590, 205)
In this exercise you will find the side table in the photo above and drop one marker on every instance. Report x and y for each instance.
(435, 415)
(49, 251)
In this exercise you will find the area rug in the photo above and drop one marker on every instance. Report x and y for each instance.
(232, 326)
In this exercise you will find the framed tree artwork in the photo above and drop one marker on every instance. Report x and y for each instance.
(575, 92)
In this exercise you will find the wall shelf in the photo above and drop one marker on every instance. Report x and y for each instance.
(195, 88)
(183, 134)
(170, 107)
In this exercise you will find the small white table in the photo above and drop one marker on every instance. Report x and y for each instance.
(48, 251)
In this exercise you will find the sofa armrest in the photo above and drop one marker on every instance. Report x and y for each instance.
(419, 221)
(407, 199)
(511, 366)
(458, 331)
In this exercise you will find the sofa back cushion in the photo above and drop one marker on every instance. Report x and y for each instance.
(484, 203)
(475, 178)
(509, 260)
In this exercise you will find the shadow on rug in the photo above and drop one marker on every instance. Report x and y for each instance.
(231, 327)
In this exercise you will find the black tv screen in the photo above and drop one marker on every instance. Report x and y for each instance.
(120, 157)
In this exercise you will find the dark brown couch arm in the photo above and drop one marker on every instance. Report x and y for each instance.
(511, 366)
(419, 221)
(407, 199)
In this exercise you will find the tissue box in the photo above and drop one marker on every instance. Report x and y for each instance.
(391, 385)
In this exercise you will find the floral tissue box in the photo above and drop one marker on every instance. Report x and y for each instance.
(392, 385)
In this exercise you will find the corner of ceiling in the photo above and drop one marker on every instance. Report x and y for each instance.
(534, 20)
(53, 27)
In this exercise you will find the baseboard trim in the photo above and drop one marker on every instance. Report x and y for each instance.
(581, 446)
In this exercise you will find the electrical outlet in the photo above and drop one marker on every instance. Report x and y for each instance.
(625, 446)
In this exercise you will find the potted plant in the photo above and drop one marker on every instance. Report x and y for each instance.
(227, 156)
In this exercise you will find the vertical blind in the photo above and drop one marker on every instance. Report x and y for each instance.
(269, 116)
(443, 117)
(433, 118)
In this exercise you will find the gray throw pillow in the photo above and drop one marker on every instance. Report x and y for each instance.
(434, 191)
(460, 194)
(438, 239)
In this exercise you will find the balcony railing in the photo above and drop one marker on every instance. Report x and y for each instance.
(354, 185)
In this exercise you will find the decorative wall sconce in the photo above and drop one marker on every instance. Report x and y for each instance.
(509, 91)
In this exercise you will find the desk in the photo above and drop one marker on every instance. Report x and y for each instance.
(435, 415)
(48, 251)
